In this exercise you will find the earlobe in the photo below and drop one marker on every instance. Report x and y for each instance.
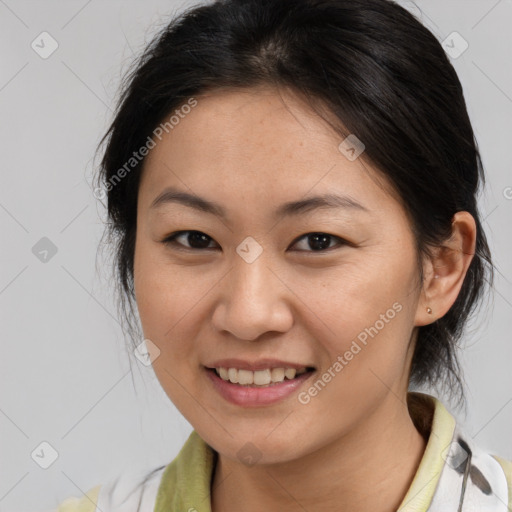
(446, 269)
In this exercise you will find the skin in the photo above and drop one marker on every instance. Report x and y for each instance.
(354, 445)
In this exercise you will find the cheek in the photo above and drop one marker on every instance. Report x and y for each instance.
(166, 295)
(364, 313)
(352, 296)
(171, 302)
(161, 293)
(365, 344)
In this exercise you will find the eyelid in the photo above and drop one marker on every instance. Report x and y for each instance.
(340, 242)
(171, 240)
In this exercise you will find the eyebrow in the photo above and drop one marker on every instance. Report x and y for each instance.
(292, 208)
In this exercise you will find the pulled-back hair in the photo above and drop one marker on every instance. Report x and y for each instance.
(373, 67)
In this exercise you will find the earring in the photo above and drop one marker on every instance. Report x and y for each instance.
(429, 311)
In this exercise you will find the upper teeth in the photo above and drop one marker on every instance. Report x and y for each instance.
(259, 377)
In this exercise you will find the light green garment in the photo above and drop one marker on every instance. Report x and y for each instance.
(184, 485)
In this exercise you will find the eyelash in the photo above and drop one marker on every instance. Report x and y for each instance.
(171, 241)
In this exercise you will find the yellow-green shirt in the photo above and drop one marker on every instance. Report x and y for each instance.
(452, 466)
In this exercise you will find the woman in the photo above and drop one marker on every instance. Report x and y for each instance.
(292, 190)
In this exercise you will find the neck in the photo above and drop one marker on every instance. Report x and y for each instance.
(370, 468)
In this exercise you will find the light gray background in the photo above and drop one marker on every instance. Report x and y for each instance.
(66, 376)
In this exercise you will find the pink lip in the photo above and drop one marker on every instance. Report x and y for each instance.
(251, 396)
(261, 364)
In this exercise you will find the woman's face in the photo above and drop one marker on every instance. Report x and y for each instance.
(252, 286)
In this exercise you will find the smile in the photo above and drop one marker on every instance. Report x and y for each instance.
(258, 378)
(257, 388)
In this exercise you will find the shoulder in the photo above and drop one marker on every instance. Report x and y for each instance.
(164, 487)
(87, 503)
(506, 466)
(454, 466)
(130, 491)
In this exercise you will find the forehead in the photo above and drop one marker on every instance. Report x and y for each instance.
(235, 123)
(259, 144)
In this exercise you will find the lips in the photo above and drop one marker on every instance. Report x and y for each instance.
(253, 395)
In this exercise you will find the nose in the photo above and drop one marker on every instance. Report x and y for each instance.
(253, 300)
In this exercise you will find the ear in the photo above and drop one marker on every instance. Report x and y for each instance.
(445, 271)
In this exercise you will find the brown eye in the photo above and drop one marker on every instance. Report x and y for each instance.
(195, 239)
(320, 242)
